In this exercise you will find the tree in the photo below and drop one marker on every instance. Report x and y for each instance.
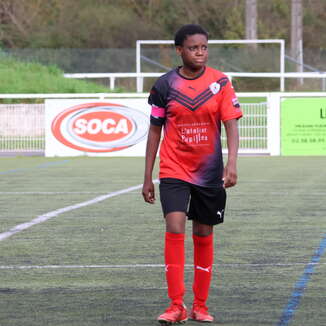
(110, 23)
(296, 33)
(251, 19)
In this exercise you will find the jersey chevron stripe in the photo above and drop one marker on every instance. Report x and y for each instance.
(192, 105)
(188, 98)
(191, 101)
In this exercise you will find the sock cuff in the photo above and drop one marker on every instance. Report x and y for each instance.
(174, 236)
(203, 240)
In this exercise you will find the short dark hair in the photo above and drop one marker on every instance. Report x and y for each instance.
(186, 30)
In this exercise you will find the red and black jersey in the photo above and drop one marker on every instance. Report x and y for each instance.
(191, 111)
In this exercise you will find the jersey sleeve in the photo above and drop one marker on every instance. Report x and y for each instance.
(230, 107)
(157, 100)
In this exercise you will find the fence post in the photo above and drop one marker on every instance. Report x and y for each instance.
(112, 82)
(138, 68)
(140, 84)
(274, 123)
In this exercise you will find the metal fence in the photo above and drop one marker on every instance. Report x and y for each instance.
(22, 128)
(253, 128)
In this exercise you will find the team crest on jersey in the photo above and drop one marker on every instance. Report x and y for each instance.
(215, 87)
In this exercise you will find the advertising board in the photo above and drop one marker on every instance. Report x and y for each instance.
(115, 127)
(303, 126)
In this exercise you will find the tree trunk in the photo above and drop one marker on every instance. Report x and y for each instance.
(296, 35)
(251, 21)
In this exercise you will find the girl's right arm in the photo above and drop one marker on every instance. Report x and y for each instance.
(153, 141)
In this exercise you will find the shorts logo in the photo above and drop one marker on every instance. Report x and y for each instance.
(220, 214)
(99, 127)
(215, 87)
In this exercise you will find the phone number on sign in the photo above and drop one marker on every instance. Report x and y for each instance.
(308, 140)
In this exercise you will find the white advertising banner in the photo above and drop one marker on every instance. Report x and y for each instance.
(110, 127)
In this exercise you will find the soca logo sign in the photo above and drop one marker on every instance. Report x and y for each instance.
(100, 127)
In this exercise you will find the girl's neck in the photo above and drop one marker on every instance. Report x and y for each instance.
(189, 73)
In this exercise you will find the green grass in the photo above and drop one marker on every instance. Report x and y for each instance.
(275, 221)
(22, 78)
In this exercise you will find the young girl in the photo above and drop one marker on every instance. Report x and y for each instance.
(190, 102)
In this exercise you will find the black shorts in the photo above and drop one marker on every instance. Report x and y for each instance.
(206, 205)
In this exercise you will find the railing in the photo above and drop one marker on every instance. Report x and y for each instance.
(140, 77)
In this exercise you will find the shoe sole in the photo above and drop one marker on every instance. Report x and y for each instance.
(166, 322)
(201, 321)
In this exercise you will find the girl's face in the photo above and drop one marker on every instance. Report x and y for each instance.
(194, 52)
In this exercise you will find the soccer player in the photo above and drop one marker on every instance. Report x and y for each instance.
(190, 102)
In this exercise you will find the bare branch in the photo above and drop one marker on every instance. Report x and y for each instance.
(8, 10)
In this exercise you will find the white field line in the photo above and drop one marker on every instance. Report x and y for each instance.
(42, 218)
(133, 266)
(56, 192)
(52, 192)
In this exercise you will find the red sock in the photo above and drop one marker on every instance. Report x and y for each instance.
(174, 265)
(203, 263)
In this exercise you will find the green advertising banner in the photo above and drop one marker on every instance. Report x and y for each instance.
(303, 126)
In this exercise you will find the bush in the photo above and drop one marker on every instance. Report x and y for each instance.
(20, 77)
